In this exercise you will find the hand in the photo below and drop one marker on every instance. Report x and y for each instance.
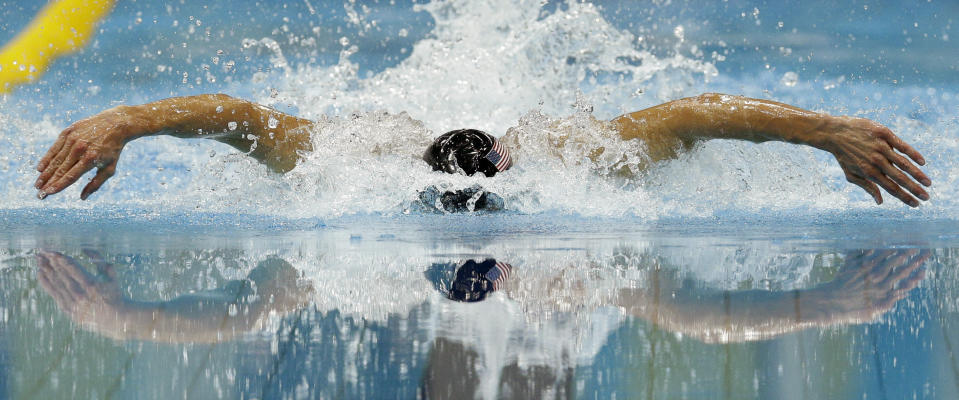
(90, 143)
(79, 294)
(869, 285)
(866, 152)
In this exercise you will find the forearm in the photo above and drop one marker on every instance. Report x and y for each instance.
(268, 135)
(677, 125)
(727, 316)
(182, 320)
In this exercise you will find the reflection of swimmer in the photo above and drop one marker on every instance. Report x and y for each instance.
(865, 150)
(866, 287)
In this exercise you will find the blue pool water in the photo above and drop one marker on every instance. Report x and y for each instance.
(735, 271)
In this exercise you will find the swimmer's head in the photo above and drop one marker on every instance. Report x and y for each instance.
(470, 151)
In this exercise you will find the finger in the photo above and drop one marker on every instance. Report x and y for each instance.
(907, 166)
(41, 258)
(64, 286)
(67, 178)
(866, 185)
(884, 305)
(888, 268)
(902, 146)
(874, 259)
(893, 189)
(43, 277)
(923, 256)
(74, 271)
(53, 288)
(102, 175)
(52, 152)
(74, 154)
(903, 181)
(53, 166)
(913, 280)
(103, 267)
(902, 273)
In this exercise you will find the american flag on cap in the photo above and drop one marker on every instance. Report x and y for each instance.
(499, 274)
(499, 156)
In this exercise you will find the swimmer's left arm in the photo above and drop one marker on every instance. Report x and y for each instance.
(865, 150)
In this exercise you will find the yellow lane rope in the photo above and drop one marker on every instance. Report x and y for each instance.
(63, 26)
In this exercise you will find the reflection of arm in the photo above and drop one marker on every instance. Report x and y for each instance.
(868, 285)
(184, 319)
(97, 303)
(727, 316)
(209, 317)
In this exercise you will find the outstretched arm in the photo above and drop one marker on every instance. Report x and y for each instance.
(267, 135)
(868, 286)
(865, 150)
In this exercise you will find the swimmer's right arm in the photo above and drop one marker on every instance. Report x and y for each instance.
(274, 138)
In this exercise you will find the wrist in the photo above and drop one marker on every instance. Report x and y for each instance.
(132, 122)
(821, 132)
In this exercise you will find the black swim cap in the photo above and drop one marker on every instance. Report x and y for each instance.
(470, 150)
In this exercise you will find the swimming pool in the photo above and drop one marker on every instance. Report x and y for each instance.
(201, 232)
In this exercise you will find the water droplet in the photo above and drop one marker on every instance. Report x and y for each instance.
(403, 32)
(789, 79)
(344, 41)
(232, 125)
(219, 109)
(272, 122)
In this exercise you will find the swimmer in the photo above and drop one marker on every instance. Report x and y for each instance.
(869, 153)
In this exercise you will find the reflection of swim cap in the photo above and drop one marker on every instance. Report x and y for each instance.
(470, 150)
(474, 281)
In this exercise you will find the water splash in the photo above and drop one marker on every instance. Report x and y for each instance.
(543, 78)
